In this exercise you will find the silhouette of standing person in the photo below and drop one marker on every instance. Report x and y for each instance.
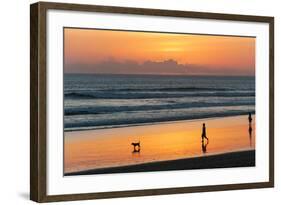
(250, 117)
(250, 127)
(204, 133)
(250, 133)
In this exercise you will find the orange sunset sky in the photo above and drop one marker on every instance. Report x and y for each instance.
(107, 51)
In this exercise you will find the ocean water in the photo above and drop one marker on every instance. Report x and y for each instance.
(94, 101)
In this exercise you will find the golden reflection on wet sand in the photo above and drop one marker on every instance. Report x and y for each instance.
(164, 141)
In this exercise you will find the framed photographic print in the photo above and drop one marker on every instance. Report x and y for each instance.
(134, 102)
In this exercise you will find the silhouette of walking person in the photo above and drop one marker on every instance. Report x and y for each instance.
(250, 117)
(204, 146)
(204, 135)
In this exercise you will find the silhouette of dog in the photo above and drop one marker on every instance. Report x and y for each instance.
(136, 145)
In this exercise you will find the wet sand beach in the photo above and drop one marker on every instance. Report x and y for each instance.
(164, 146)
(233, 159)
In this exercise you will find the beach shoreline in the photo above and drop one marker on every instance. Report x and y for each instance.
(92, 151)
(225, 160)
(153, 123)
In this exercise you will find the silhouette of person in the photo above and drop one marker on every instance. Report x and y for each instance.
(250, 133)
(204, 133)
(250, 117)
(204, 146)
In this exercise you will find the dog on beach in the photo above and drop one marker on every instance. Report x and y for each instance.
(136, 146)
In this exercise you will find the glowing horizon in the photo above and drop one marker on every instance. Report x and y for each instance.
(88, 50)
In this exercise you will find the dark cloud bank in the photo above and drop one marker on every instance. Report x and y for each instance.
(168, 67)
